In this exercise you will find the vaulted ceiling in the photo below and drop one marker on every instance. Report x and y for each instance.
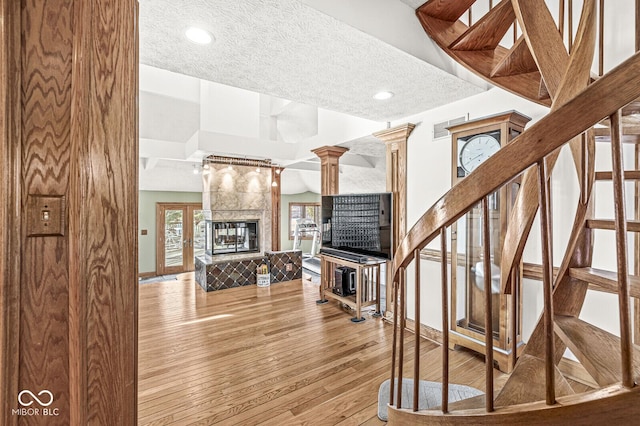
(331, 55)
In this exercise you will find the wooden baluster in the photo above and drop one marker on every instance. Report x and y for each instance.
(416, 361)
(395, 339)
(584, 174)
(570, 25)
(402, 299)
(470, 20)
(561, 18)
(637, 25)
(445, 320)
(488, 309)
(636, 250)
(515, 309)
(515, 32)
(547, 280)
(490, 4)
(601, 40)
(626, 349)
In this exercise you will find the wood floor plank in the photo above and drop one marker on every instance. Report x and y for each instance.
(266, 356)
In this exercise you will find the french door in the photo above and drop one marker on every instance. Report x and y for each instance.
(180, 236)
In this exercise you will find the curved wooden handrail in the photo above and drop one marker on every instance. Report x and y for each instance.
(592, 105)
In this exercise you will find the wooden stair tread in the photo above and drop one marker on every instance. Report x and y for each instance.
(597, 349)
(632, 225)
(628, 175)
(607, 280)
(446, 10)
(489, 30)
(517, 61)
(526, 383)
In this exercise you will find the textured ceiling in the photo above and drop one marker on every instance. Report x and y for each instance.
(290, 50)
(414, 3)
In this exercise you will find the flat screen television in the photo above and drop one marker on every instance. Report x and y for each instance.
(358, 223)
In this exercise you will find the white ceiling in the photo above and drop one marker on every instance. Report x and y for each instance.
(331, 54)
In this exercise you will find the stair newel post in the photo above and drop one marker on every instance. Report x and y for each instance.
(547, 281)
(396, 308)
(488, 309)
(445, 320)
(621, 250)
(402, 300)
(416, 361)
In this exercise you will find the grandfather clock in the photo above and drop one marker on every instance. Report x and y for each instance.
(472, 143)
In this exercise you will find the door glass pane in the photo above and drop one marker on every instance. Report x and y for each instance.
(198, 233)
(173, 238)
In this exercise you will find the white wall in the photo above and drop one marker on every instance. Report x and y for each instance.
(429, 177)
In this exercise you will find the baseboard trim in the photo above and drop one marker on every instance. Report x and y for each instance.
(425, 331)
(147, 274)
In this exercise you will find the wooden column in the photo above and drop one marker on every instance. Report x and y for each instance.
(395, 140)
(68, 297)
(329, 168)
(276, 205)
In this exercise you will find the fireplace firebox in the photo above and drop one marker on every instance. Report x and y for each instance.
(230, 237)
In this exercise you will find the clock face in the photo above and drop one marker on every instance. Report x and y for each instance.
(476, 150)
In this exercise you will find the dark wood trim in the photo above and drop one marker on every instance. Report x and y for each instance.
(188, 209)
(10, 241)
(144, 275)
(276, 207)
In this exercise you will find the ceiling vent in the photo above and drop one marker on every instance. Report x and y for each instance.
(440, 129)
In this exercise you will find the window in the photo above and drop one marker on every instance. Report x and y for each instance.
(302, 211)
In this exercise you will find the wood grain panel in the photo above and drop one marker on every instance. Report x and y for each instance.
(109, 184)
(10, 242)
(46, 111)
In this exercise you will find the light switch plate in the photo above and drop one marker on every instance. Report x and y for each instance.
(45, 215)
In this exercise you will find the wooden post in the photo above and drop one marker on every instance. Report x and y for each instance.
(488, 306)
(395, 140)
(445, 320)
(626, 337)
(276, 199)
(68, 85)
(330, 168)
(547, 280)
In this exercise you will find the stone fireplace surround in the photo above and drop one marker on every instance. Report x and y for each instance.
(238, 193)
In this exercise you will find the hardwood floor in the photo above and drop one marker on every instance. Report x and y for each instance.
(268, 356)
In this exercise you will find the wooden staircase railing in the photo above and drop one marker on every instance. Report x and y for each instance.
(532, 148)
(551, 66)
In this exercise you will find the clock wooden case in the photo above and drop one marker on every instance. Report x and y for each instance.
(472, 143)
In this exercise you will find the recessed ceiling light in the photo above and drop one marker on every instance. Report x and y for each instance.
(381, 96)
(198, 35)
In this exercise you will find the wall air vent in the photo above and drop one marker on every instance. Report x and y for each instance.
(440, 129)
